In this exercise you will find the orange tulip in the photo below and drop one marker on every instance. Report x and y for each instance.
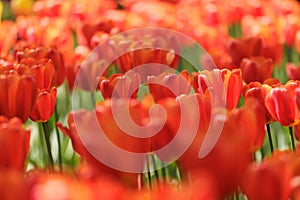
(226, 85)
(57, 186)
(297, 41)
(119, 86)
(169, 85)
(268, 180)
(7, 40)
(257, 90)
(12, 181)
(14, 141)
(234, 141)
(256, 69)
(44, 105)
(145, 50)
(42, 70)
(84, 124)
(41, 53)
(90, 30)
(292, 26)
(113, 130)
(73, 60)
(18, 94)
(178, 112)
(254, 114)
(86, 75)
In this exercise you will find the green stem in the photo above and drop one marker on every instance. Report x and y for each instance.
(155, 167)
(270, 138)
(48, 145)
(292, 138)
(148, 173)
(42, 145)
(164, 171)
(93, 99)
(180, 171)
(288, 53)
(58, 140)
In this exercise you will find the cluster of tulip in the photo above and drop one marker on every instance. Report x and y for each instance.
(227, 131)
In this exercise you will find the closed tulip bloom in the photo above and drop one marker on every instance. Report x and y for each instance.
(45, 53)
(44, 105)
(144, 50)
(42, 70)
(281, 105)
(18, 94)
(14, 142)
(256, 69)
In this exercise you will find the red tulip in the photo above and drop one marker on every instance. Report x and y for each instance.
(14, 142)
(256, 69)
(44, 105)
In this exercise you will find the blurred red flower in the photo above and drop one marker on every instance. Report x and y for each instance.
(239, 49)
(256, 69)
(268, 180)
(293, 71)
(14, 142)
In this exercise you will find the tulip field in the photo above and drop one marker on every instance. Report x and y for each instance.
(156, 99)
